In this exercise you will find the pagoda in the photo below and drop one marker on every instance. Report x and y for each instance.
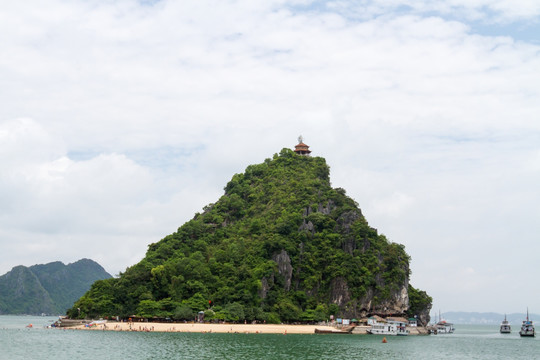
(301, 148)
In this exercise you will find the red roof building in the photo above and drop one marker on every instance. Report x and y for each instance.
(301, 148)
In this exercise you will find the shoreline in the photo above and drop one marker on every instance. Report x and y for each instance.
(220, 328)
(204, 328)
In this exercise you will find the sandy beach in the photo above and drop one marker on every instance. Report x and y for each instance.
(206, 328)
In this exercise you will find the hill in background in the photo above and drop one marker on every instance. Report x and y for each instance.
(486, 318)
(49, 288)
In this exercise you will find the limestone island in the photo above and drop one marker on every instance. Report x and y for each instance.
(279, 251)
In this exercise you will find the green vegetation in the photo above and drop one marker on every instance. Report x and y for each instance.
(280, 245)
(419, 301)
(50, 288)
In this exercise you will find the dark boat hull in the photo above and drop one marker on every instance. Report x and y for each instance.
(324, 331)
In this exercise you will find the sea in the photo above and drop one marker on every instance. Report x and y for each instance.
(17, 341)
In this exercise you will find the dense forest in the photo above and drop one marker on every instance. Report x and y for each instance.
(47, 288)
(281, 245)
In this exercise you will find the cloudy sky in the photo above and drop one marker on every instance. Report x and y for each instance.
(120, 119)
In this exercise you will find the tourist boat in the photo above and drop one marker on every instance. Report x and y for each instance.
(443, 327)
(389, 328)
(505, 326)
(527, 328)
(402, 329)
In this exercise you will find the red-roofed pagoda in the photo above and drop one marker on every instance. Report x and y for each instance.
(301, 148)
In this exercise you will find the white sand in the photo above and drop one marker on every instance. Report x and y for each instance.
(207, 328)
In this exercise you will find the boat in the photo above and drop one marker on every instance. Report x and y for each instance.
(444, 327)
(382, 329)
(505, 326)
(328, 331)
(527, 327)
(389, 328)
(402, 330)
(344, 330)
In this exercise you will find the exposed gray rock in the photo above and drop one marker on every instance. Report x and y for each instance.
(326, 209)
(349, 245)
(307, 226)
(346, 220)
(265, 286)
(424, 317)
(285, 268)
(339, 292)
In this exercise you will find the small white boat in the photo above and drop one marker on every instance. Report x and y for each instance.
(443, 327)
(527, 327)
(389, 328)
(505, 326)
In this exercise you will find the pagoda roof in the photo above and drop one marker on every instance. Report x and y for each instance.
(302, 147)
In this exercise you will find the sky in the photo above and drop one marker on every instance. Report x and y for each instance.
(121, 119)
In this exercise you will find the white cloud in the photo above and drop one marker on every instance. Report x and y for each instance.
(120, 120)
(57, 207)
(502, 11)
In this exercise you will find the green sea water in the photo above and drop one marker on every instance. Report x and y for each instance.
(468, 342)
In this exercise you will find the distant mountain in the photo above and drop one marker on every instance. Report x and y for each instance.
(47, 288)
(488, 318)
